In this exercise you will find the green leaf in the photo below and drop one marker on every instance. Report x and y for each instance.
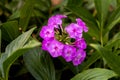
(113, 20)
(38, 13)
(39, 64)
(18, 43)
(15, 49)
(114, 42)
(118, 2)
(95, 74)
(112, 59)
(86, 64)
(10, 30)
(75, 3)
(9, 61)
(15, 15)
(102, 7)
(0, 41)
(42, 5)
(26, 13)
(114, 4)
(87, 17)
(89, 4)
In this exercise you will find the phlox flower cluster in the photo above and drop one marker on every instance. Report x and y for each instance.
(57, 41)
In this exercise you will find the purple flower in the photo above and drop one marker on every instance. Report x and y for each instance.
(74, 30)
(47, 32)
(46, 43)
(80, 43)
(79, 58)
(82, 24)
(54, 39)
(56, 20)
(55, 48)
(68, 52)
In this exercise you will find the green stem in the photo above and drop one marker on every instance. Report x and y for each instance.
(101, 34)
(101, 38)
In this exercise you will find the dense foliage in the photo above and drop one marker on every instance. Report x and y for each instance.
(21, 55)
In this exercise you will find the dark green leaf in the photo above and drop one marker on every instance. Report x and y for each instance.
(25, 14)
(21, 71)
(112, 59)
(38, 14)
(102, 7)
(3, 6)
(14, 5)
(42, 5)
(39, 64)
(95, 74)
(86, 64)
(15, 15)
(75, 3)
(113, 20)
(69, 65)
(10, 30)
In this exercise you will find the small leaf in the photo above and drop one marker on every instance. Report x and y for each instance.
(113, 20)
(102, 7)
(112, 59)
(95, 74)
(10, 30)
(15, 15)
(39, 64)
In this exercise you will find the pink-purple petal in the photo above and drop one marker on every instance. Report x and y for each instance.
(74, 30)
(82, 24)
(56, 20)
(46, 43)
(79, 58)
(55, 48)
(80, 43)
(46, 32)
(68, 53)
